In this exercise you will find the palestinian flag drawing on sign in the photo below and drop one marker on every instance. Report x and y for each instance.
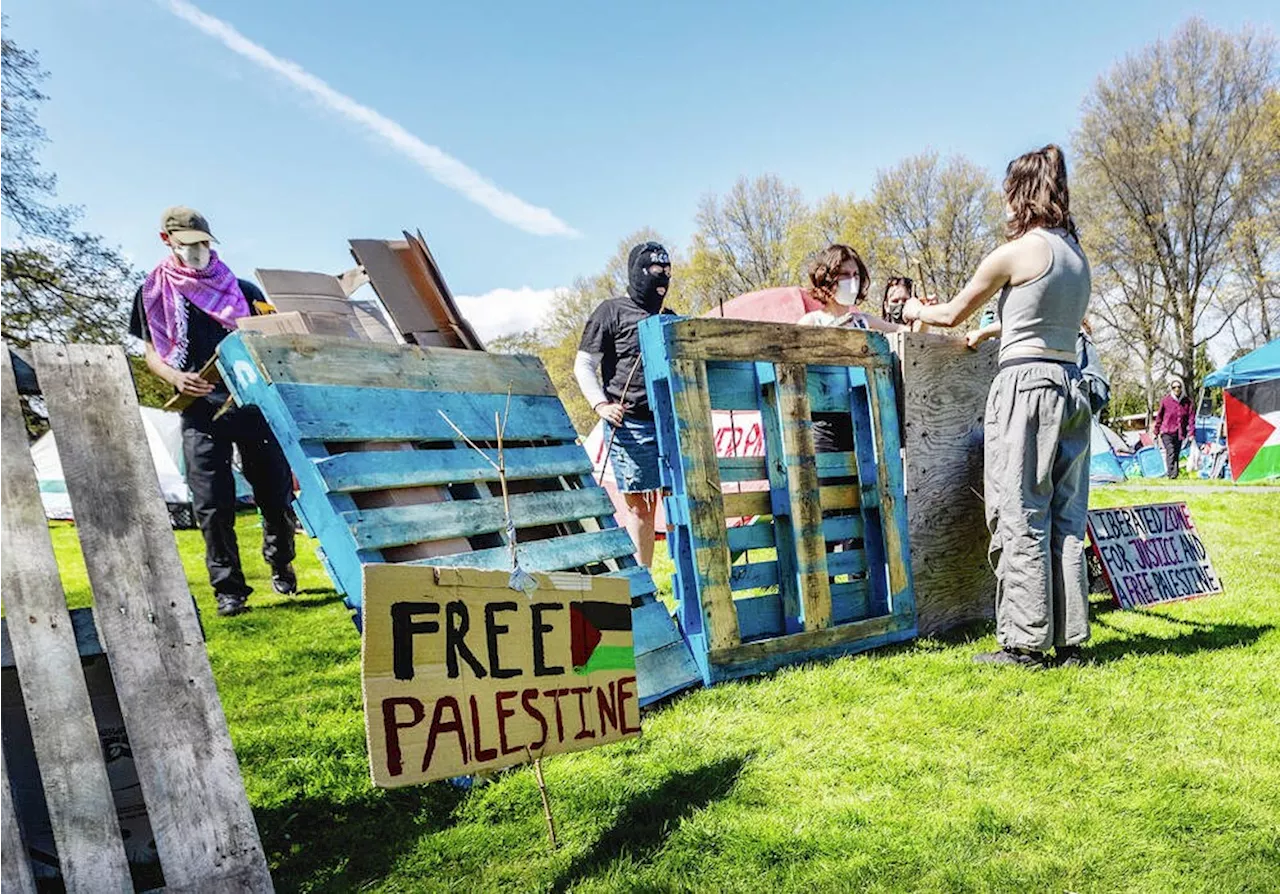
(1253, 430)
(600, 637)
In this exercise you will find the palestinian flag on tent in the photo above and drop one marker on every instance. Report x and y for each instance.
(600, 636)
(1253, 430)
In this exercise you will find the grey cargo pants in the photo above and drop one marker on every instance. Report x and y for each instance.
(1036, 476)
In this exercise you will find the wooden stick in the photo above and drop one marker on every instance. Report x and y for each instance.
(546, 802)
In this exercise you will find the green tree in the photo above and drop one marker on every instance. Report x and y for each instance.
(59, 284)
(741, 244)
(938, 217)
(1174, 148)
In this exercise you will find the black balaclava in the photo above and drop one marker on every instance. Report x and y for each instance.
(642, 285)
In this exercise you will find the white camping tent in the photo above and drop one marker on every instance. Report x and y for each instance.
(164, 437)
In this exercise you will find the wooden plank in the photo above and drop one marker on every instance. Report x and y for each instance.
(758, 502)
(865, 449)
(710, 338)
(567, 553)
(342, 413)
(710, 547)
(147, 623)
(839, 528)
(406, 496)
(397, 525)
(848, 561)
(943, 390)
(417, 256)
(349, 472)
(850, 602)
(772, 422)
(321, 360)
(810, 640)
(387, 275)
(752, 468)
(753, 576)
(15, 866)
(808, 544)
(889, 481)
(637, 577)
(82, 812)
(744, 537)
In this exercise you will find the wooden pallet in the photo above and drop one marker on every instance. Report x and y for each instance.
(147, 627)
(816, 603)
(322, 395)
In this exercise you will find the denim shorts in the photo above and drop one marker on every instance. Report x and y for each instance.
(633, 451)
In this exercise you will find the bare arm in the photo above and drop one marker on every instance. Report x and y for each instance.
(978, 336)
(992, 275)
(188, 383)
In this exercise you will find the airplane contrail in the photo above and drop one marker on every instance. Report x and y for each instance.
(435, 161)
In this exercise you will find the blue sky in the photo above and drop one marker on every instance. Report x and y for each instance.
(592, 119)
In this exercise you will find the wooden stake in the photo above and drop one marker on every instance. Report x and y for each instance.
(542, 790)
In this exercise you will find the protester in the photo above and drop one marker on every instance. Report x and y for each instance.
(1037, 425)
(610, 347)
(838, 281)
(897, 289)
(1172, 424)
(186, 306)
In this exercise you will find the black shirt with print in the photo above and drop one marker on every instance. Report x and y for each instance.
(612, 331)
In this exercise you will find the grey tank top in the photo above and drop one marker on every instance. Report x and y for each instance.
(1040, 319)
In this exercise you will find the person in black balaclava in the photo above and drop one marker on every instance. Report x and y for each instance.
(610, 351)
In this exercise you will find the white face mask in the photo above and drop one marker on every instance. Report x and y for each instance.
(194, 256)
(847, 291)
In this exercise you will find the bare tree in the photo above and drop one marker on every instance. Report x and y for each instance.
(942, 217)
(741, 242)
(1172, 145)
(59, 284)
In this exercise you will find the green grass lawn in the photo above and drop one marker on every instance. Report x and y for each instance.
(1155, 768)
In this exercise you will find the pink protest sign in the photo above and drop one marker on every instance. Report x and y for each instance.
(1151, 554)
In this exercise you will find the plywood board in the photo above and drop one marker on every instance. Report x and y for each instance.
(943, 395)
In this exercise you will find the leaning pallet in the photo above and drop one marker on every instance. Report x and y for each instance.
(147, 627)
(831, 572)
(321, 395)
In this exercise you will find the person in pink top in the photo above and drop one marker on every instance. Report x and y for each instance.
(1172, 424)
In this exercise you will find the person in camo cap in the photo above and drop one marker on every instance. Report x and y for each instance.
(186, 306)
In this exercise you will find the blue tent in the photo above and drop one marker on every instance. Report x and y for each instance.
(1256, 366)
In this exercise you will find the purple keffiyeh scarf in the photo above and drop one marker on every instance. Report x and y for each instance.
(214, 290)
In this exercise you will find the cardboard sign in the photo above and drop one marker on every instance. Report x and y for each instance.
(462, 674)
(1151, 554)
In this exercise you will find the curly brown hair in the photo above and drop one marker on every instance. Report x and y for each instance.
(1035, 186)
(825, 268)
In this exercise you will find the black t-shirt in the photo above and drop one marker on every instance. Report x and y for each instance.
(203, 335)
(613, 332)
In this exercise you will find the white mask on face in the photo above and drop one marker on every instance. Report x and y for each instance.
(195, 256)
(847, 291)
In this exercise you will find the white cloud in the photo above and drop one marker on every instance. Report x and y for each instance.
(504, 311)
(435, 161)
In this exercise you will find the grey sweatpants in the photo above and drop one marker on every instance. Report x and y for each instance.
(1037, 431)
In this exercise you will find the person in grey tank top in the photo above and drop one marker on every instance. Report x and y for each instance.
(1037, 424)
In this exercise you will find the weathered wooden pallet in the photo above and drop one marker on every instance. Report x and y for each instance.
(322, 395)
(146, 624)
(817, 603)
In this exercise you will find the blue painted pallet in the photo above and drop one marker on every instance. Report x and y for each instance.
(385, 477)
(835, 574)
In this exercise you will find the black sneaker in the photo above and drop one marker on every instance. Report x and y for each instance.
(1068, 656)
(284, 581)
(1014, 657)
(229, 606)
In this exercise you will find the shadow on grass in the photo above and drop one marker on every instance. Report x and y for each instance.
(307, 599)
(317, 845)
(1198, 636)
(642, 826)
